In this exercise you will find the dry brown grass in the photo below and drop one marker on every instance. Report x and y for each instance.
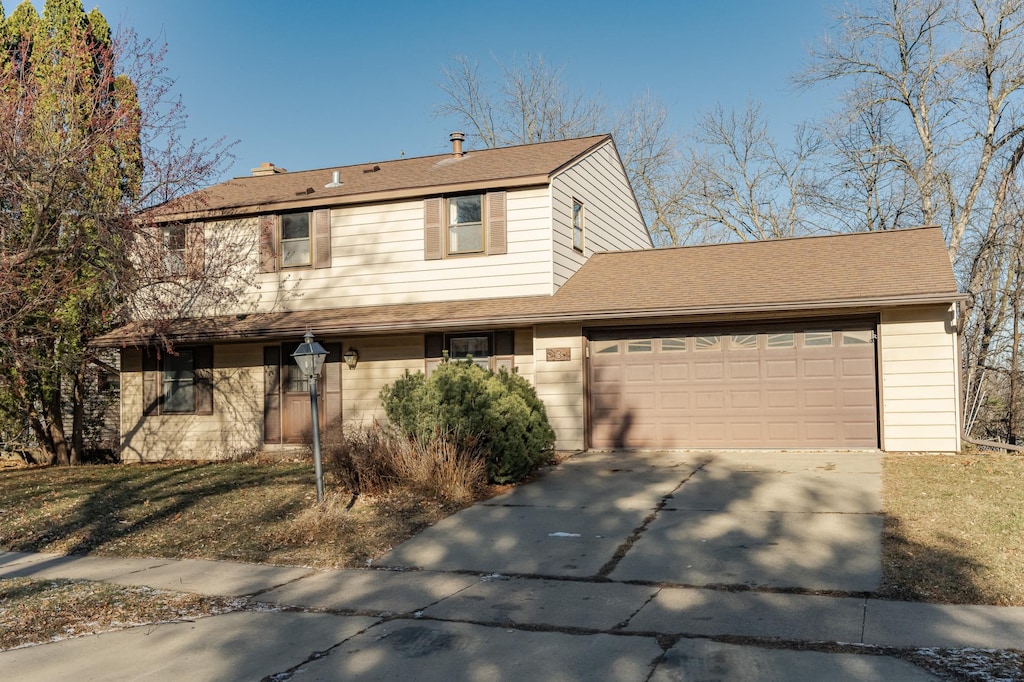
(954, 529)
(260, 513)
(38, 611)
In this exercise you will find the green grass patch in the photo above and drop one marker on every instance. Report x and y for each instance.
(954, 529)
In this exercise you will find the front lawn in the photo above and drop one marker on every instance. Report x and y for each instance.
(954, 528)
(260, 513)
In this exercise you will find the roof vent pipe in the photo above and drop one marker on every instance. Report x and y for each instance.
(335, 180)
(457, 139)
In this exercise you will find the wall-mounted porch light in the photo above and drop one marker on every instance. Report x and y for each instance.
(351, 357)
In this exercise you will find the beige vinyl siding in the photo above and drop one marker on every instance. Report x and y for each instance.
(612, 220)
(560, 384)
(382, 360)
(377, 259)
(234, 428)
(920, 381)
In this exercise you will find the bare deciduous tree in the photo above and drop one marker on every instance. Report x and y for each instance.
(530, 102)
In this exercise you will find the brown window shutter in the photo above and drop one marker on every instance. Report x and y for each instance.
(504, 342)
(272, 394)
(433, 345)
(322, 238)
(433, 236)
(497, 232)
(195, 249)
(151, 382)
(268, 243)
(331, 390)
(203, 379)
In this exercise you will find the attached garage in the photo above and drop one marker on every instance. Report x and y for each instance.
(798, 385)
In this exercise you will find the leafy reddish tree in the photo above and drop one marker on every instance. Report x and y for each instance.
(89, 138)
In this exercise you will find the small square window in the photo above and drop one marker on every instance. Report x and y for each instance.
(296, 249)
(577, 225)
(465, 224)
(477, 348)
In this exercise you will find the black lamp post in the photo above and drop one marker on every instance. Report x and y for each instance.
(309, 356)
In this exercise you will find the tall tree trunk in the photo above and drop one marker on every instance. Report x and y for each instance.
(78, 418)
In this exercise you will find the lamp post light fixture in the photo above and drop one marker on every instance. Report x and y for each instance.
(309, 356)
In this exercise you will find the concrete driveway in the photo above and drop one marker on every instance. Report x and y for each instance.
(801, 520)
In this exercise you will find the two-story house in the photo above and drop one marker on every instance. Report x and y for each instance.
(536, 258)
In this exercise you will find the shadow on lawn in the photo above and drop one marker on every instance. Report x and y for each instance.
(121, 504)
(915, 572)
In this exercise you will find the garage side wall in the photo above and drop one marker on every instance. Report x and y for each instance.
(234, 428)
(920, 387)
(558, 377)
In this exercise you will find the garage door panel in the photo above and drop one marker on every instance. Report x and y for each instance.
(745, 399)
(770, 389)
(820, 368)
(781, 369)
(817, 398)
(745, 369)
(709, 400)
(708, 370)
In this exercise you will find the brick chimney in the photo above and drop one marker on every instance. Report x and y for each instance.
(457, 139)
(267, 168)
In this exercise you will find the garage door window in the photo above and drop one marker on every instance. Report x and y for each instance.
(814, 339)
(743, 341)
(674, 345)
(709, 342)
(606, 347)
(642, 346)
(856, 338)
(784, 340)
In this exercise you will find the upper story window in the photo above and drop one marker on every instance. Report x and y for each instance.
(464, 224)
(183, 248)
(299, 239)
(174, 243)
(577, 225)
(295, 243)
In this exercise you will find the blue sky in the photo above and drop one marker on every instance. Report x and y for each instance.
(315, 84)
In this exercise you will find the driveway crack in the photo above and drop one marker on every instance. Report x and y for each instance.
(624, 548)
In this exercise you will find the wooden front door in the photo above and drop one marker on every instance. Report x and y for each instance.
(286, 413)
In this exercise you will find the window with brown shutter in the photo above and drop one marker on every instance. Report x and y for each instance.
(465, 225)
(178, 383)
(268, 243)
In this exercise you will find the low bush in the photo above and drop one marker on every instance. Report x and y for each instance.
(378, 460)
(475, 410)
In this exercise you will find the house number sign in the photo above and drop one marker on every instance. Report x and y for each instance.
(559, 354)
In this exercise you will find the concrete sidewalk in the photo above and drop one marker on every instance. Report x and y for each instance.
(378, 624)
(657, 566)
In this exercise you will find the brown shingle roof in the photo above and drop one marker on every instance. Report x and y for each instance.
(870, 269)
(506, 166)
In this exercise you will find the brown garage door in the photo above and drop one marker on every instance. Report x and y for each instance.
(812, 387)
